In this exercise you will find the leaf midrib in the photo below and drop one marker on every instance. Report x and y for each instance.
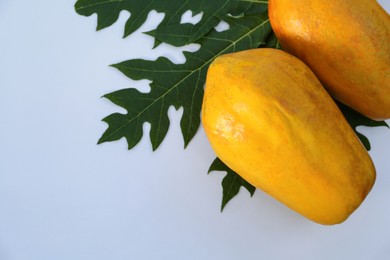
(181, 81)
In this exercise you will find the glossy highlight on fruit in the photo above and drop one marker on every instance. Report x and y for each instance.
(269, 119)
(346, 43)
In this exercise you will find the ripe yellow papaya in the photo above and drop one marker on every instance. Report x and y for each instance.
(346, 43)
(268, 118)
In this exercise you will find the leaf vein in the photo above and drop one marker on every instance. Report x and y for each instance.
(187, 76)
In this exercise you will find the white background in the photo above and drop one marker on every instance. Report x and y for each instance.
(63, 197)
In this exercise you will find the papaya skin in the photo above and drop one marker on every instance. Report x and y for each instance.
(346, 43)
(268, 118)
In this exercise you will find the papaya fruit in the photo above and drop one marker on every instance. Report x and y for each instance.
(346, 43)
(269, 119)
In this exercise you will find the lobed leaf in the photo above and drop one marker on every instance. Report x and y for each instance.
(108, 12)
(178, 34)
(356, 119)
(231, 183)
(180, 85)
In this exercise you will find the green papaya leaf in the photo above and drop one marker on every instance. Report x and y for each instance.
(231, 183)
(178, 85)
(108, 12)
(181, 34)
(356, 119)
(271, 42)
(181, 85)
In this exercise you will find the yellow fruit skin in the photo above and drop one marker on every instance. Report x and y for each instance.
(346, 43)
(269, 119)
